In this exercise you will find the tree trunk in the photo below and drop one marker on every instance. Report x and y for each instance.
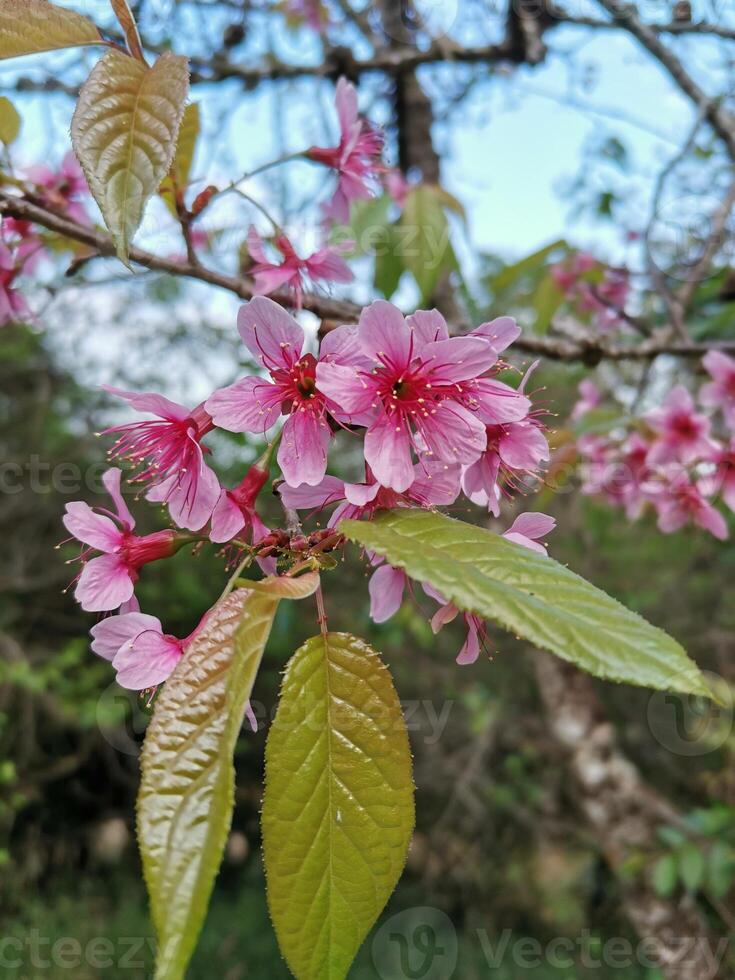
(624, 813)
(414, 117)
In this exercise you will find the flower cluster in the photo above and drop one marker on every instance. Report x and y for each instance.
(64, 189)
(21, 248)
(594, 290)
(433, 418)
(678, 459)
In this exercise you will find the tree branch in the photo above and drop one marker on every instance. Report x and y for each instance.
(589, 351)
(718, 117)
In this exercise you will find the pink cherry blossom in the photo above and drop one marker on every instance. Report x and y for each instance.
(141, 653)
(434, 485)
(235, 509)
(254, 404)
(397, 186)
(499, 333)
(682, 434)
(425, 396)
(681, 502)
(169, 450)
(527, 528)
(310, 12)
(589, 399)
(720, 392)
(63, 189)
(566, 274)
(296, 273)
(23, 241)
(355, 159)
(107, 581)
(722, 481)
(514, 450)
(475, 625)
(12, 305)
(386, 588)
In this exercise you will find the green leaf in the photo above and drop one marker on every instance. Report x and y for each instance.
(720, 868)
(10, 121)
(124, 133)
(671, 836)
(367, 227)
(338, 809)
(546, 301)
(179, 172)
(389, 265)
(531, 595)
(31, 26)
(510, 274)
(665, 875)
(691, 866)
(426, 241)
(187, 783)
(449, 201)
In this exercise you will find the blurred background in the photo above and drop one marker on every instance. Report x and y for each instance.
(550, 806)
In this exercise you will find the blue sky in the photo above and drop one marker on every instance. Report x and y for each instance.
(509, 148)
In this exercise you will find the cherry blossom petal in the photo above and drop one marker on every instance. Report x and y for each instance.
(471, 648)
(523, 446)
(251, 404)
(149, 401)
(342, 346)
(346, 387)
(386, 592)
(361, 494)
(104, 584)
(482, 475)
(454, 434)
(227, 519)
(728, 490)
(190, 495)
(388, 452)
(324, 264)
(111, 481)
(255, 246)
(267, 280)
(90, 528)
(146, 660)
(306, 497)
(532, 525)
(719, 366)
(710, 519)
(110, 633)
(384, 334)
(428, 325)
(458, 359)
(302, 454)
(447, 614)
(345, 101)
(500, 332)
(436, 484)
(498, 403)
(271, 335)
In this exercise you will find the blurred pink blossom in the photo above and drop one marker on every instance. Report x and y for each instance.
(356, 159)
(324, 265)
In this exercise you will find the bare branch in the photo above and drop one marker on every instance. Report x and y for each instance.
(333, 311)
(718, 117)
